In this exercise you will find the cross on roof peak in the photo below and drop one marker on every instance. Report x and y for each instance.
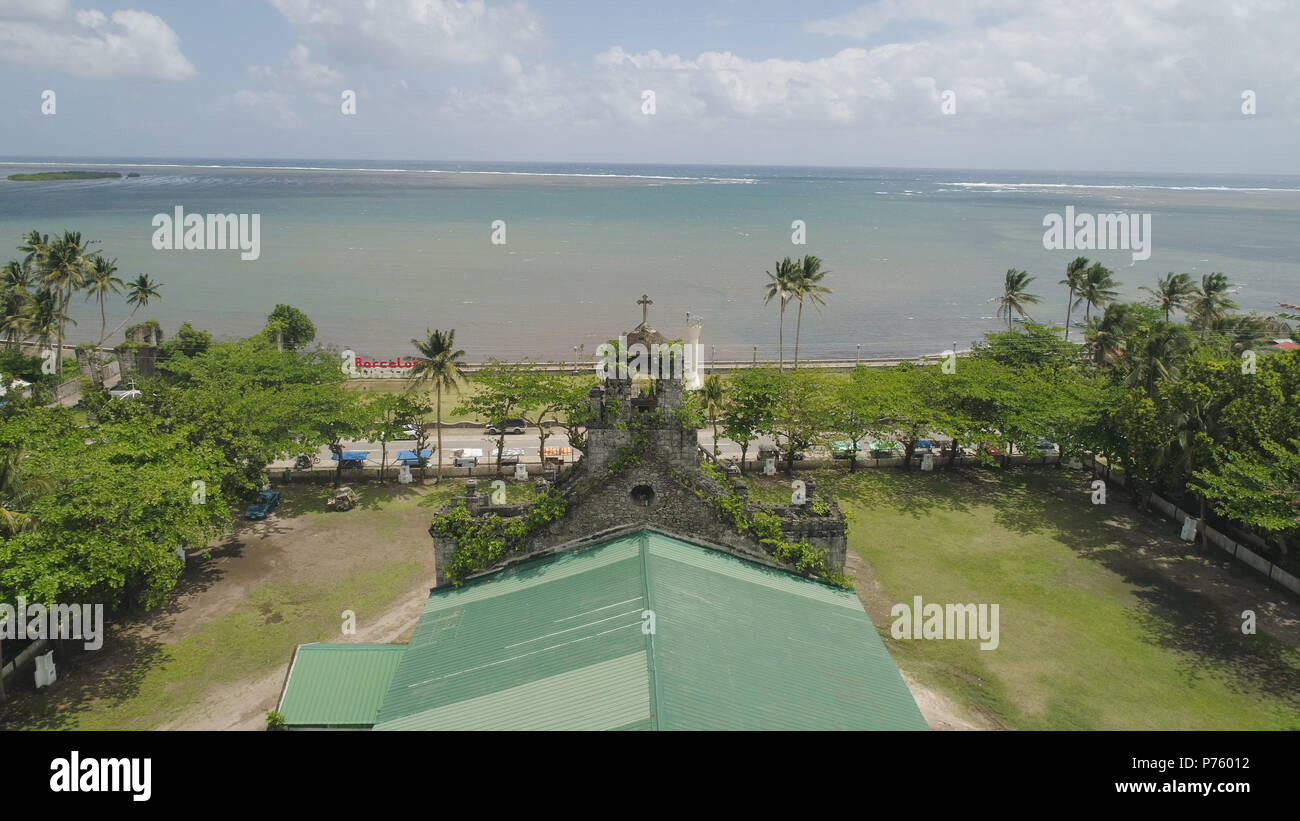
(645, 302)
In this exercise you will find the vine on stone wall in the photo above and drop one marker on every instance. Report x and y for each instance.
(766, 527)
(482, 541)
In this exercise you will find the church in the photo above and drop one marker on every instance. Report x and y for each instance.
(661, 599)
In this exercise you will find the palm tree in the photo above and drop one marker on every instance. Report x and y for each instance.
(1073, 279)
(808, 284)
(1156, 355)
(139, 293)
(1209, 303)
(46, 318)
(102, 282)
(1246, 332)
(16, 280)
(439, 363)
(1014, 297)
(782, 284)
(64, 265)
(1097, 289)
(16, 490)
(713, 395)
(1171, 292)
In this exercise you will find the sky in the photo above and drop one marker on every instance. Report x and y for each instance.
(1196, 86)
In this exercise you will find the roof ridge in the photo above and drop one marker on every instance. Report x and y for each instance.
(656, 698)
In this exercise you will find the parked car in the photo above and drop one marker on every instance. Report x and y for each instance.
(844, 449)
(506, 426)
(1043, 446)
(267, 501)
(884, 450)
(411, 431)
(990, 449)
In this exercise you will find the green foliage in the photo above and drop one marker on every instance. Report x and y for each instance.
(188, 341)
(274, 720)
(1258, 489)
(484, 540)
(629, 455)
(290, 325)
(765, 526)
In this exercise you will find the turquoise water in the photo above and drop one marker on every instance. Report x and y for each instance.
(376, 254)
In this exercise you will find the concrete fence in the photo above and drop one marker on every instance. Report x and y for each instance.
(1223, 541)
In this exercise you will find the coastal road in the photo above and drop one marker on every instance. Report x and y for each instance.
(457, 438)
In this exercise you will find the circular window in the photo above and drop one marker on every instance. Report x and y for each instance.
(643, 495)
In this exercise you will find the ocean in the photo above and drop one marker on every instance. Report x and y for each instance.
(376, 252)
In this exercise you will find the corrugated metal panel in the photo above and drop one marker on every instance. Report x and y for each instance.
(339, 685)
(604, 696)
(553, 617)
(558, 644)
(737, 648)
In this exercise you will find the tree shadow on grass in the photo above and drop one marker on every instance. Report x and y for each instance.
(915, 493)
(112, 675)
(1132, 544)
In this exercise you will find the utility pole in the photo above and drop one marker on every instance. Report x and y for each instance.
(857, 359)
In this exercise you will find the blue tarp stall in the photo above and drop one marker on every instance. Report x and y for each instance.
(352, 458)
(408, 457)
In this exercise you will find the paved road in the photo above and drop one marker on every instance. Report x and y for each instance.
(456, 438)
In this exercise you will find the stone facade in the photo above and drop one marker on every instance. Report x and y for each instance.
(642, 469)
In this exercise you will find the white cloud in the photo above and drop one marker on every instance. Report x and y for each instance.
(412, 33)
(1012, 64)
(32, 9)
(298, 70)
(127, 43)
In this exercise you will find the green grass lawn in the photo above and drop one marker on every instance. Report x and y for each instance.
(1089, 637)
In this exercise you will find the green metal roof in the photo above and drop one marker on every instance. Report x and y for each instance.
(561, 643)
(338, 685)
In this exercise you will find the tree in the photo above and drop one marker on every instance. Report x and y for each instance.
(1014, 296)
(574, 410)
(1259, 489)
(101, 282)
(388, 414)
(1097, 289)
(1172, 292)
(139, 293)
(498, 389)
(289, 327)
(64, 265)
(542, 393)
(801, 414)
(748, 405)
(441, 365)
(860, 402)
(808, 286)
(713, 396)
(782, 284)
(189, 341)
(1210, 303)
(1073, 280)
